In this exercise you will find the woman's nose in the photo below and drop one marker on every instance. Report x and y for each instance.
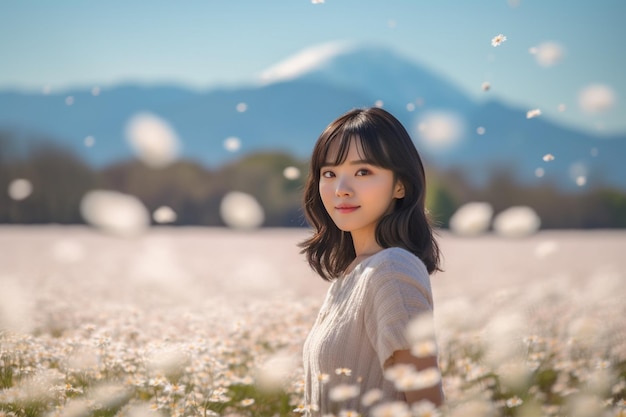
(343, 187)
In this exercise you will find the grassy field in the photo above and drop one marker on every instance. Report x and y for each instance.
(208, 322)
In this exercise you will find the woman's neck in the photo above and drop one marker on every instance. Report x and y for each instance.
(365, 246)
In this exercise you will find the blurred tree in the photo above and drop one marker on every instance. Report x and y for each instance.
(262, 175)
(440, 202)
(607, 208)
(59, 179)
(195, 193)
(592, 207)
(184, 186)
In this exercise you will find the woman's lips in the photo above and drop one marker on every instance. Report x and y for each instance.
(346, 209)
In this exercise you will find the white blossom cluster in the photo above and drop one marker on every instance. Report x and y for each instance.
(130, 338)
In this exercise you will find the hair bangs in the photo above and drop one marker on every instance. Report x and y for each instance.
(370, 145)
(335, 150)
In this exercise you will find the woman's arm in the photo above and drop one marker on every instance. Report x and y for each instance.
(433, 394)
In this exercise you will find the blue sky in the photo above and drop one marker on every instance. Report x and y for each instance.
(208, 43)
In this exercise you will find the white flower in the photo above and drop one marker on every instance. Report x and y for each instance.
(115, 212)
(547, 54)
(429, 377)
(393, 373)
(391, 409)
(154, 140)
(291, 173)
(533, 113)
(471, 219)
(175, 389)
(406, 378)
(20, 188)
(497, 40)
(548, 157)
(232, 144)
(240, 210)
(596, 98)
(164, 214)
(421, 328)
(515, 221)
(514, 402)
(424, 349)
(343, 392)
(247, 402)
(371, 396)
(425, 408)
(301, 408)
(219, 396)
(343, 371)
(323, 378)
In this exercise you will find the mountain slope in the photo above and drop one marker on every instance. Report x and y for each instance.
(383, 74)
(289, 111)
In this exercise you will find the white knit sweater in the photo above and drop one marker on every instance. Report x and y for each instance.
(360, 325)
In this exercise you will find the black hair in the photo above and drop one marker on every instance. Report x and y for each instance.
(385, 143)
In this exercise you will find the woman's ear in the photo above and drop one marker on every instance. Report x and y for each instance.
(398, 191)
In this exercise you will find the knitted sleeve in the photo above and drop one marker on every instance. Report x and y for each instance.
(398, 290)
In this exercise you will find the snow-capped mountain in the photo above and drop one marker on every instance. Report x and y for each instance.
(293, 102)
(382, 73)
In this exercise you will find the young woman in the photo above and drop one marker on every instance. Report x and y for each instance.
(372, 238)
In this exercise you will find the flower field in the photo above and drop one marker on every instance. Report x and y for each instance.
(210, 322)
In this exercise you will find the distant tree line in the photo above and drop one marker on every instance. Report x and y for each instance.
(60, 179)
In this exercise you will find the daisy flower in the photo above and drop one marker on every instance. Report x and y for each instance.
(343, 371)
(406, 378)
(497, 40)
(424, 348)
(323, 378)
(343, 392)
(175, 389)
(401, 370)
(371, 396)
(247, 402)
(425, 408)
(301, 408)
(514, 402)
(391, 409)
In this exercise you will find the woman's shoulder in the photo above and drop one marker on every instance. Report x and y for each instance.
(398, 271)
(396, 260)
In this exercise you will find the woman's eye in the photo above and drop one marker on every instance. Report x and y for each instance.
(328, 174)
(362, 172)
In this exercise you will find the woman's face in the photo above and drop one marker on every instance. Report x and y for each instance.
(355, 193)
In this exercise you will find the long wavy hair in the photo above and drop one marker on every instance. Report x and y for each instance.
(387, 144)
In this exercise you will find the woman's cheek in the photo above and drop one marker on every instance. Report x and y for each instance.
(325, 193)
